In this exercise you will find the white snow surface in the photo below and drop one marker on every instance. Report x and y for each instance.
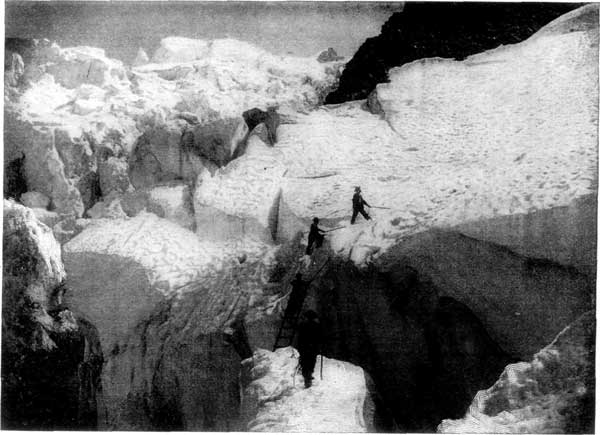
(338, 403)
(508, 131)
(504, 132)
(171, 255)
(248, 186)
(174, 203)
(233, 75)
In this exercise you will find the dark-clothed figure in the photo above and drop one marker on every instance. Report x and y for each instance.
(299, 289)
(272, 121)
(358, 206)
(315, 236)
(309, 345)
(236, 335)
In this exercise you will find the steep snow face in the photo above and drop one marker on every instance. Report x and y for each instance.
(275, 400)
(554, 393)
(505, 132)
(243, 198)
(508, 125)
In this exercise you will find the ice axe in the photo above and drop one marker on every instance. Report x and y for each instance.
(321, 366)
(294, 374)
(383, 208)
(333, 229)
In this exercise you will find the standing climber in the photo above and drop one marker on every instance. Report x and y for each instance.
(299, 289)
(272, 121)
(315, 236)
(309, 345)
(358, 206)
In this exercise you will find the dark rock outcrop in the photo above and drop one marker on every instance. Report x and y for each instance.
(448, 30)
(51, 360)
(89, 188)
(329, 55)
(15, 183)
(270, 119)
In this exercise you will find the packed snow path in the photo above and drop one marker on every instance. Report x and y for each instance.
(338, 403)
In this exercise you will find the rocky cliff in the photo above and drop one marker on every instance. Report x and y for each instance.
(447, 30)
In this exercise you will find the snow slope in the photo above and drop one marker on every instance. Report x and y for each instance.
(504, 132)
(275, 399)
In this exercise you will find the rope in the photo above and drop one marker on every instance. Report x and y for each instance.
(333, 229)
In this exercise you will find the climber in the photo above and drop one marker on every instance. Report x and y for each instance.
(299, 289)
(236, 335)
(358, 206)
(272, 121)
(314, 236)
(309, 345)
